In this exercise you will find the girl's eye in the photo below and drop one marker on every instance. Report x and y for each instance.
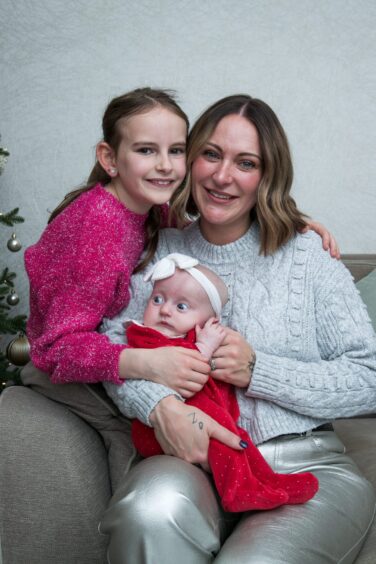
(145, 150)
(211, 155)
(182, 306)
(177, 151)
(157, 300)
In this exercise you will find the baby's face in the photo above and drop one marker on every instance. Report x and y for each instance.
(177, 304)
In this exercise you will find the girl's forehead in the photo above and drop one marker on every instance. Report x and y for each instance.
(153, 121)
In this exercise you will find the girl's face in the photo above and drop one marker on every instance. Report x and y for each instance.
(225, 179)
(150, 160)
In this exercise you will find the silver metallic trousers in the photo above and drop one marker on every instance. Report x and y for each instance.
(167, 511)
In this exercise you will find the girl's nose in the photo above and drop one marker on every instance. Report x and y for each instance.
(222, 173)
(164, 162)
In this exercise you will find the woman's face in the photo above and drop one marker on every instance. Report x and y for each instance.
(225, 178)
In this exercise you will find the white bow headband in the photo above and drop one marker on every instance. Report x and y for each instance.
(166, 267)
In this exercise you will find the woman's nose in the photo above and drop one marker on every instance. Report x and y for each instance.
(222, 174)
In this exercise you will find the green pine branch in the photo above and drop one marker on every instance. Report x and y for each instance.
(8, 372)
(7, 277)
(4, 291)
(11, 217)
(12, 325)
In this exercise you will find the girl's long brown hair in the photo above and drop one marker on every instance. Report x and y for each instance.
(276, 212)
(135, 102)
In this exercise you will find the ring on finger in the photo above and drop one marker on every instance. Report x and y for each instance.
(212, 364)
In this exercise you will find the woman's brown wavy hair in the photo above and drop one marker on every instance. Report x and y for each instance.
(275, 210)
(135, 102)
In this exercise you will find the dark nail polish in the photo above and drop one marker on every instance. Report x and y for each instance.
(243, 444)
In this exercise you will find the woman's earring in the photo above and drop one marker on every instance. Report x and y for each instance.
(112, 171)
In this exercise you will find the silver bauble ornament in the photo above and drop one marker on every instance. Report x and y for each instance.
(13, 244)
(18, 350)
(13, 298)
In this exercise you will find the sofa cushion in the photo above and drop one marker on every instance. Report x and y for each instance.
(57, 468)
(367, 289)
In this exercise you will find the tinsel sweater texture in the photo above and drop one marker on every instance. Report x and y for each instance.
(79, 272)
(300, 311)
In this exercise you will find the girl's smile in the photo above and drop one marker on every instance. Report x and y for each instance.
(150, 161)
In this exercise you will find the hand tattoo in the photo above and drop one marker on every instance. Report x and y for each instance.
(195, 420)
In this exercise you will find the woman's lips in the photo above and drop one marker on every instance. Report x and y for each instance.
(219, 196)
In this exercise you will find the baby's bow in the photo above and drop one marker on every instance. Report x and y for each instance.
(165, 267)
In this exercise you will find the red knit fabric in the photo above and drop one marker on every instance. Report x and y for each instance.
(244, 480)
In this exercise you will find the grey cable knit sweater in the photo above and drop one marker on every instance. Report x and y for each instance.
(300, 311)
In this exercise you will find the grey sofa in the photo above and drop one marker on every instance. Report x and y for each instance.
(54, 467)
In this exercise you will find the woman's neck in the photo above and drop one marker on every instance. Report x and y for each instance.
(222, 234)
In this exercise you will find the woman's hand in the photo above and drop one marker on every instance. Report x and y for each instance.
(328, 241)
(184, 431)
(182, 370)
(232, 360)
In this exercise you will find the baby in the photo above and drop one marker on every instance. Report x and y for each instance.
(184, 310)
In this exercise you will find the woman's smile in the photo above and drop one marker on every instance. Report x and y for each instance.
(225, 179)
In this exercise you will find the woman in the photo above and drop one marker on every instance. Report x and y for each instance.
(299, 349)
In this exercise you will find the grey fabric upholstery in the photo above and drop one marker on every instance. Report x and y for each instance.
(359, 436)
(54, 477)
(54, 483)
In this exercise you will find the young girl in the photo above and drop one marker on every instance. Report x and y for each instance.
(183, 311)
(79, 270)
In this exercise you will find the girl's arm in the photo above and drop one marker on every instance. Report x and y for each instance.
(75, 279)
(328, 240)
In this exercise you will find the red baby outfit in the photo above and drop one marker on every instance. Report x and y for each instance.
(243, 479)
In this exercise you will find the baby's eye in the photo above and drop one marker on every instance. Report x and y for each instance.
(157, 300)
(182, 306)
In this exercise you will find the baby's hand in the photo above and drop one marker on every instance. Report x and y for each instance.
(209, 337)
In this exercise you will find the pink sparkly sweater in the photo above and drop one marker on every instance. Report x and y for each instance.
(79, 272)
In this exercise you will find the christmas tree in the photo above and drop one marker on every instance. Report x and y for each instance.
(9, 324)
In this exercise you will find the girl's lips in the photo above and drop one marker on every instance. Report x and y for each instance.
(161, 182)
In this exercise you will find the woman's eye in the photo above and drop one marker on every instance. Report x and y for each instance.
(211, 155)
(182, 307)
(247, 165)
(157, 300)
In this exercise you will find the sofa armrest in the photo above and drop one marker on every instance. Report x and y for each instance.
(54, 483)
(359, 438)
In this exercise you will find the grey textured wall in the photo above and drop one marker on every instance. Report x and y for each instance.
(312, 61)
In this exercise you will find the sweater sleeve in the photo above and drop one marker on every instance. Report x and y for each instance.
(69, 297)
(343, 382)
(136, 399)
